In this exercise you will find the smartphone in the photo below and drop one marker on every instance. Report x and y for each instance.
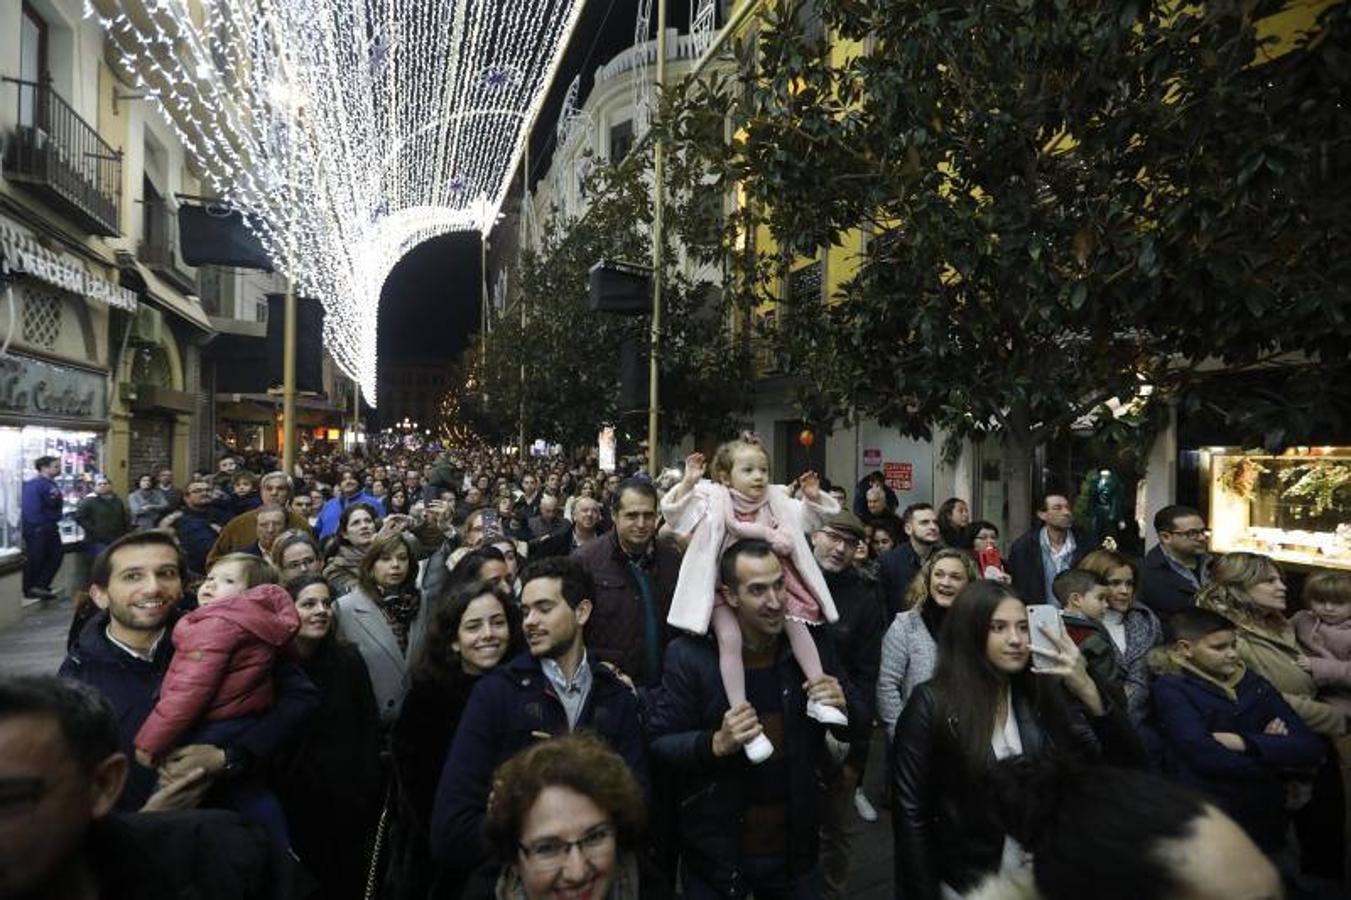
(1043, 616)
(988, 558)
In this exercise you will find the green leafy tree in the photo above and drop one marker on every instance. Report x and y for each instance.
(1067, 202)
(553, 364)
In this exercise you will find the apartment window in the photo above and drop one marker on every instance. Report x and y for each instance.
(621, 141)
(32, 63)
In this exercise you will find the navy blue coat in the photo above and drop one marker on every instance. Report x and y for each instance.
(1249, 785)
(897, 568)
(131, 685)
(510, 709)
(682, 715)
(1162, 588)
(196, 534)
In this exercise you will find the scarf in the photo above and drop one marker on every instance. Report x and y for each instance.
(932, 615)
(400, 610)
(743, 508)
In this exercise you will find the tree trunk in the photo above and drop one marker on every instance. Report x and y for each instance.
(1018, 456)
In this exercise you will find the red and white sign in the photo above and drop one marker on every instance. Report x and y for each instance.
(872, 458)
(900, 476)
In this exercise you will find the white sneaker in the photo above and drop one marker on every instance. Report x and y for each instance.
(826, 715)
(863, 807)
(759, 749)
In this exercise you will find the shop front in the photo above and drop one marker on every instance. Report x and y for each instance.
(1294, 506)
(46, 409)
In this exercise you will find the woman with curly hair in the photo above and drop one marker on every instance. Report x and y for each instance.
(1249, 590)
(565, 819)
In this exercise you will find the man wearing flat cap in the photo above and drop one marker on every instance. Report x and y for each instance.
(858, 643)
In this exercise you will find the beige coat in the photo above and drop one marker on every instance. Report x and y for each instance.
(1272, 654)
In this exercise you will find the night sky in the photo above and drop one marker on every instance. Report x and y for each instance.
(429, 307)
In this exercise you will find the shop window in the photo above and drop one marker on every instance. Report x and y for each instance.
(81, 455)
(42, 319)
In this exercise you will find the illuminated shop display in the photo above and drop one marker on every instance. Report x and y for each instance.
(1295, 507)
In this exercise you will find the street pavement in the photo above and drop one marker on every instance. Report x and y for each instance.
(37, 643)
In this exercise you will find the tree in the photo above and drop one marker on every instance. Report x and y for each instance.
(1068, 202)
(554, 363)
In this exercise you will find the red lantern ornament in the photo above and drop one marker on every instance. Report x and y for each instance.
(806, 437)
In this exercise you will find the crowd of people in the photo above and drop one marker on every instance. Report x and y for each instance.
(466, 674)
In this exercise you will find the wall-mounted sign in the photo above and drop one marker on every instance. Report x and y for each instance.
(872, 458)
(38, 389)
(900, 476)
(27, 256)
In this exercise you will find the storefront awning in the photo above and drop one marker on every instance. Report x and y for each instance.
(27, 256)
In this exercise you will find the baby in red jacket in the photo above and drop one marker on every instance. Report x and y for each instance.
(220, 678)
(224, 653)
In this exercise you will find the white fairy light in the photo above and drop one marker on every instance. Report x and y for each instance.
(347, 131)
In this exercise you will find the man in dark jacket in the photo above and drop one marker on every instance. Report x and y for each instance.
(103, 516)
(742, 827)
(554, 689)
(635, 574)
(63, 771)
(1036, 558)
(899, 565)
(125, 649)
(197, 525)
(40, 510)
(1175, 569)
(857, 636)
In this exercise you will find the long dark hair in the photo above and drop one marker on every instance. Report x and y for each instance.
(966, 685)
(438, 662)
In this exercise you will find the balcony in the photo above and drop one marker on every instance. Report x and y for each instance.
(62, 159)
(159, 250)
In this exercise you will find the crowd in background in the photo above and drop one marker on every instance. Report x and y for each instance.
(453, 674)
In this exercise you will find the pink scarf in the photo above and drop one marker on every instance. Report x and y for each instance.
(737, 528)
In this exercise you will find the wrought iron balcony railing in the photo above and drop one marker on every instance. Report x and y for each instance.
(61, 157)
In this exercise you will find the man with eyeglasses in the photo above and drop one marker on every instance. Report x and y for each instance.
(858, 640)
(1177, 567)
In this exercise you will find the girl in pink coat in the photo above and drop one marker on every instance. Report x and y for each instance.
(743, 504)
(220, 678)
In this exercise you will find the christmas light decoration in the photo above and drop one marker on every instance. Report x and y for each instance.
(347, 131)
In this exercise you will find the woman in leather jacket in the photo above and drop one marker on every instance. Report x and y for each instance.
(985, 704)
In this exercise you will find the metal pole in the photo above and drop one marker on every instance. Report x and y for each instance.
(288, 381)
(521, 410)
(658, 243)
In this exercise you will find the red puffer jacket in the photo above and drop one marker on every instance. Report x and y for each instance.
(222, 664)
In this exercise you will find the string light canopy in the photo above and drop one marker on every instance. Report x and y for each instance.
(347, 131)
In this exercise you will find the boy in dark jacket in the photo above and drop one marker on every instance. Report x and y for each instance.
(1225, 730)
(1083, 601)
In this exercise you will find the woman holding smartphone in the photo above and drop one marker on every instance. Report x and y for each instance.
(985, 704)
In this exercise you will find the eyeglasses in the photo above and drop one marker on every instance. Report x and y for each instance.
(1191, 534)
(551, 853)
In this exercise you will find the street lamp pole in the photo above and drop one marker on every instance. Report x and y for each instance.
(658, 241)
